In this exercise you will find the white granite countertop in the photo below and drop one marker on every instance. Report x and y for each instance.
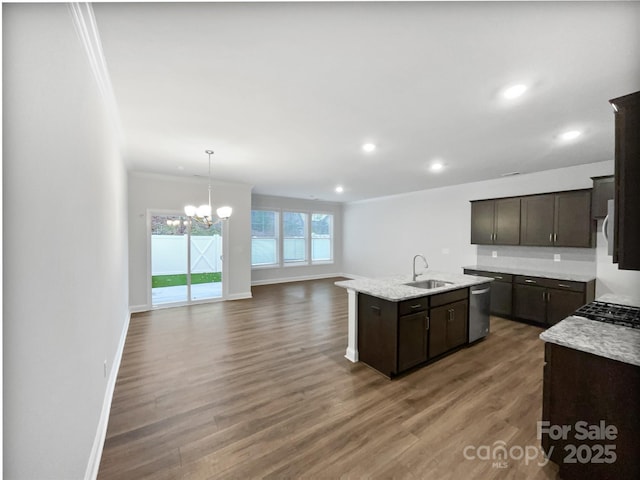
(606, 340)
(394, 288)
(575, 277)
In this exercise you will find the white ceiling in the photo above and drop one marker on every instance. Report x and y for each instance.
(286, 93)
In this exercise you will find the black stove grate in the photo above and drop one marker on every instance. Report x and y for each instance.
(611, 313)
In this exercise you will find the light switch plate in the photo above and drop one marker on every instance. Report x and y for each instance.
(556, 257)
(494, 254)
(445, 251)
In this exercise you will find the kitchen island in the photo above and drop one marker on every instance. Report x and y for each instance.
(592, 384)
(394, 326)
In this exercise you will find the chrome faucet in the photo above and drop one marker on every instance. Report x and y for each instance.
(426, 265)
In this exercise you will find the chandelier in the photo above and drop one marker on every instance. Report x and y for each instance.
(202, 214)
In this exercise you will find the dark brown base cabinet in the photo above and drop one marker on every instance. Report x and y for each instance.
(394, 337)
(544, 301)
(581, 387)
(501, 291)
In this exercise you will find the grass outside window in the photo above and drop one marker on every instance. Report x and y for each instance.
(159, 281)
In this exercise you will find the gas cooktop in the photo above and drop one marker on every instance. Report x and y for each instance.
(611, 313)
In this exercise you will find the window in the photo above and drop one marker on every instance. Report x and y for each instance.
(294, 237)
(264, 237)
(321, 237)
(281, 238)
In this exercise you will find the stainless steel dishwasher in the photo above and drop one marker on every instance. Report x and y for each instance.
(479, 303)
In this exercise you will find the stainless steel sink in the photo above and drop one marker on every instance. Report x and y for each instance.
(429, 284)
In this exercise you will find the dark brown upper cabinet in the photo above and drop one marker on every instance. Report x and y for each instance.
(557, 219)
(495, 222)
(603, 191)
(626, 250)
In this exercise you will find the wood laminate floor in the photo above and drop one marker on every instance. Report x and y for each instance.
(260, 388)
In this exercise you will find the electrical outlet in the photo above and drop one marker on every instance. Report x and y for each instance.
(445, 251)
(556, 257)
(105, 369)
(494, 254)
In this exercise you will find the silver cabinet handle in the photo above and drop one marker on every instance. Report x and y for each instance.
(497, 278)
(551, 238)
(563, 285)
(417, 305)
(529, 281)
(555, 238)
(428, 322)
(604, 228)
(548, 296)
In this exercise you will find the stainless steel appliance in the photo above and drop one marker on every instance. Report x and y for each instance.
(607, 227)
(611, 313)
(479, 303)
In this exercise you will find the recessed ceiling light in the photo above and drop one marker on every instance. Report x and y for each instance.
(570, 135)
(180, 167)
(514, 91)
(436, 166)
(368, 147)
(339, 189)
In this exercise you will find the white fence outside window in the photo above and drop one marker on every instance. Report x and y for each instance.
(170, 254)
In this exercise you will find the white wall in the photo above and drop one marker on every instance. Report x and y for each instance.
(171, 194)
(382, 235)
(265, 275)
(610, 279)
(65, 246)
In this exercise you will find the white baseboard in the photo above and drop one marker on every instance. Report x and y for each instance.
(352, 276)
(303, 278)
(101, 433)
(239, 296)
(138, 308)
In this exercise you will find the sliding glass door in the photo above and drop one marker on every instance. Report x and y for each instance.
(186, 260)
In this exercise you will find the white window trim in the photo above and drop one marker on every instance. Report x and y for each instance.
(308, 240)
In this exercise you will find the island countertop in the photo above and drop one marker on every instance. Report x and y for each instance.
(394, 288)
(606, 340)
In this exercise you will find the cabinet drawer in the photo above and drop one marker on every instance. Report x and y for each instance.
(567, 285)
(414, 305)
(449, 297)
(499, 277)
(550, 283)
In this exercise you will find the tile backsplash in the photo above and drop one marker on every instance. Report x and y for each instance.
(582, 261)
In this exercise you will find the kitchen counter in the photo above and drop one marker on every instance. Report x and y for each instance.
(394, 289)
(603, 339)
(574, 277)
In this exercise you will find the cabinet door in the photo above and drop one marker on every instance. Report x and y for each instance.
(457, 324)
(438, 330)
(501, 298)
(507, 222)
(377, 333)
(482, 215)
(536, 220)
(627, 178)
(572, 219)
(562, 303)
(412, 340)
(603, 188)
(529, 303)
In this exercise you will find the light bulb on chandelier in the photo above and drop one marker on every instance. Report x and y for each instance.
(202, 214)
